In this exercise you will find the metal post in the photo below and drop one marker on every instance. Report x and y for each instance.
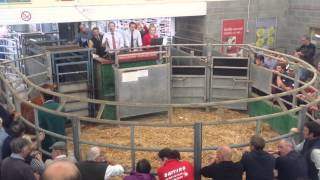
(170, 109)
(296, 85)
(197, 156)
(133, 148)
(258, 126)
(208, 72)
(36, 123)
(76, 138)
(302, 118)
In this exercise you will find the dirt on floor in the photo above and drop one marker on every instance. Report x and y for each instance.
(174, 137)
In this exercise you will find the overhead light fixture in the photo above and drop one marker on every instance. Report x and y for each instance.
(317, 35)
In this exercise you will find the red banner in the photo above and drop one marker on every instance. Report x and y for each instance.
(232, 33)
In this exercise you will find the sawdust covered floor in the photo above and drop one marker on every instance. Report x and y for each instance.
(174, 137)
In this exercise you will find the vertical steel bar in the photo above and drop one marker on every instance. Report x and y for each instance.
(208, 71)
(170, 109)
(197, 155)
(302, 118)
(36, 123)
(258, 126)
(296, 85)
(76, 137)
(133, 147)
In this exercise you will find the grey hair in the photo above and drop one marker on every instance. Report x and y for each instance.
(18, 144)
(93, 153)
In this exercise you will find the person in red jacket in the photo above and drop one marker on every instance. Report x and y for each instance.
(173, 168)
(150, 35)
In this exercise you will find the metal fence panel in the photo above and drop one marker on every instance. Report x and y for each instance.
(150, 84)
(261, 78)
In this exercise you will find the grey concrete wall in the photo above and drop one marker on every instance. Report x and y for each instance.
(295, 17)
(208, 28)
(302, 14)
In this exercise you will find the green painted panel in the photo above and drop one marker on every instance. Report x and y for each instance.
(106, 86)
(281, 124)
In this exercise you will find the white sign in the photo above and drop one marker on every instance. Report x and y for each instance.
(133, 76)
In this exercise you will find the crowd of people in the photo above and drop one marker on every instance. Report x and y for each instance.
(22, 159)
(284, 73)
(106, 43)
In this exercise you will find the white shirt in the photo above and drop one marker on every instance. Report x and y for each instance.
(119, 41)
(113, 170)
(137, 41)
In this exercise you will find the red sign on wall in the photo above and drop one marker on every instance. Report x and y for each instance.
(232, 33)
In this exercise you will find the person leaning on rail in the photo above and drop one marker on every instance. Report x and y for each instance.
(221, 166)
(289, 163)
(258, 164)
(310, 148)
(97, 166)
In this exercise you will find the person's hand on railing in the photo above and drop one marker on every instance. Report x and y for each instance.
(294, 130)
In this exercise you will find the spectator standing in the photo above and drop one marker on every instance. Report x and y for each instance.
(310, 148)
(59, 152)
(15, 167)
(257, 163)
(290, 164)
(221, 167)
(305, 52)
(84, 36)
(50, 121)
(133, 37)
(96, 42)
(3, 136)
(113, 39)
(96, 166)
(150, 35)
(172, 168)
(17, 130)
(142, 172)
(62, 170)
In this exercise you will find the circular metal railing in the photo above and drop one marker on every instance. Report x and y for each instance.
(14, 98)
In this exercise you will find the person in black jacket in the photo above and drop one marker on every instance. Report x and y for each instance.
(17, 130)
(96, 42)
(290, 164)
(257, 163)
(221, 167)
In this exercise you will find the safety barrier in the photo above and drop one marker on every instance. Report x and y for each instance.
(14, 98)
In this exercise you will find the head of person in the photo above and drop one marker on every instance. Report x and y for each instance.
(291, 71)
(82, 27)
(112, 26)
(46, 96)
(165, 154)
(17, 129)
(132, 26)
(139, 26)
(61, 170)
(94, 154)
(152, 29)
(175, 154)
(95, 31)
(311, 130)
(280, 68)
(57, 149)
(285, 146)
(259, 60)
(143, 166)
(305, 40)
(21, 146)
(224, 153)
(257, 143)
